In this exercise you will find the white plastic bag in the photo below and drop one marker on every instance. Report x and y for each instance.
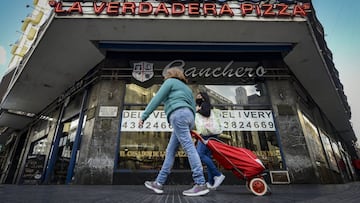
(209, 125)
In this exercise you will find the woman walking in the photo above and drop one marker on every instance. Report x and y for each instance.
(203, 108)
(179, 106)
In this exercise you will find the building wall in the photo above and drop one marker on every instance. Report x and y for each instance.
(100, 136)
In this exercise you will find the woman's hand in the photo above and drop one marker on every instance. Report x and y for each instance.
(141, 123)
(198, 108)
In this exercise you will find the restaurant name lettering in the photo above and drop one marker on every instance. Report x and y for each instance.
(285, 8)
(228, 70)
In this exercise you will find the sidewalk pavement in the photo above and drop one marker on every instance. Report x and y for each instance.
(330, 193)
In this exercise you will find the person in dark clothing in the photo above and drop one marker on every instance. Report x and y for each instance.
(203, 107)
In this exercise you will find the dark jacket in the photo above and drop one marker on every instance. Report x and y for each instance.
(205, 105)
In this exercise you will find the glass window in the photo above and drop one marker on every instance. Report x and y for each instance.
(313, 141)
(235, 94)
(140, 150)
(139, 95)
(40, 147)
(329, 151)
(262, 143)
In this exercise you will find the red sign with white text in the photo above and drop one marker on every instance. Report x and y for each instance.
(180, 9)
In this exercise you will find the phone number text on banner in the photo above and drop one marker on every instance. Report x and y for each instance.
(157, 121)
(247, 120)
(231, 120)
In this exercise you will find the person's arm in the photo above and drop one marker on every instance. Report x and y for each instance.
(157, 99)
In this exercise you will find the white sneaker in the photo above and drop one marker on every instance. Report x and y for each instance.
(208, 185)
(218, 180)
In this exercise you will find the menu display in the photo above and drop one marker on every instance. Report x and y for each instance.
(33, 170)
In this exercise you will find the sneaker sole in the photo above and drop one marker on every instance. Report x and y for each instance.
(154, 189)
(203, 192)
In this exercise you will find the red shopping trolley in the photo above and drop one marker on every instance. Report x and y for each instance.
(242, 162)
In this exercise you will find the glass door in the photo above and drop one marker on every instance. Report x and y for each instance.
(64, 151)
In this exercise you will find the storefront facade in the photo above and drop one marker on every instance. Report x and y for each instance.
(263, 80)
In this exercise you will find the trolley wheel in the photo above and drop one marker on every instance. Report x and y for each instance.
(258, 186)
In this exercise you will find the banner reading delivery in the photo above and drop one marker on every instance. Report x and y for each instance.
(231, 120)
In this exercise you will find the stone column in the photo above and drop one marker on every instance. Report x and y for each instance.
(99, 140)
(296, 154)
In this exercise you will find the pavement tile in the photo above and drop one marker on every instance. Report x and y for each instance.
(311, 193)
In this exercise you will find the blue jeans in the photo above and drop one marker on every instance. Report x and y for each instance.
(205, 156)
(182, 120)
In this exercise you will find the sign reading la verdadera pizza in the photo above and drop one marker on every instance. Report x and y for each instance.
(258, 8)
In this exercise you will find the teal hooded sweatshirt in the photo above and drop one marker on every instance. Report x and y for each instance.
(174, 94)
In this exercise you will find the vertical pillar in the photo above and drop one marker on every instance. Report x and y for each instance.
(284, 100)
(99, 140)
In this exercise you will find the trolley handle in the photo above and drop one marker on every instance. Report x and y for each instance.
(197, 136)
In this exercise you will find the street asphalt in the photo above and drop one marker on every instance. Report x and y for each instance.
(337, 193)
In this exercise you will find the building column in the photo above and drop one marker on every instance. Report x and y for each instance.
(95, 163)
(292, 141)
